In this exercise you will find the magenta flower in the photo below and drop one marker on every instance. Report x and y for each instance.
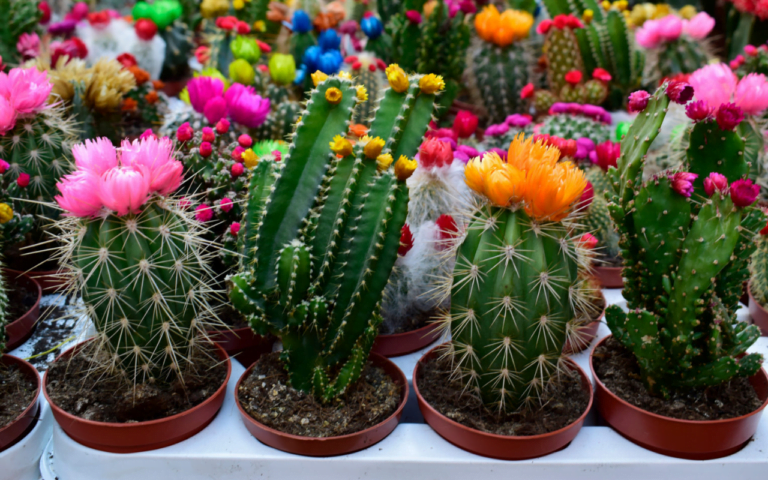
(7, 116)
(496, 130)
(517, 120)
(699, 111)
(79, 194)
(226, 204)
(208, 135)
(215, 109)
(206, 97)
(206, 149)
(587, 241)
(605, 155)
(682, 182)
(752, 94)
(246, 107)
(234, 229)
(237, 170)
(715, 182)
(28, 45)
(203, 213)
(728, 116)
(184, 133)
(245, 140)
(587, 196)
(165, 173)
(744, 193)
(96, 156)
(124, 189)
(184, 203)
(679, 92)
(699, 26)
(413, 16)
(23, 180)
(222, 126)
(26, 88)
(717, 84)
(638, 101)
(4, 166)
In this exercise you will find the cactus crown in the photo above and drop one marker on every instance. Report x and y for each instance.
(518, 289)
(322, 228)
(686, 238)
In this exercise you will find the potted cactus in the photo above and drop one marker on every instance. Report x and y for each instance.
(518, 292)
(137, 259)
(686, 240)
(758, 283)
(320, 235)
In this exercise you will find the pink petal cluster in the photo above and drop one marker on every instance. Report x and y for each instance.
(23, 91)
(241, 103)
(715, 182)
(120, 181)
(716, 84)
(682, 182)
(245, 106)
(28, 45)
(606, 155)
(435, 153)
(654, 33)
(699, 26)
(638, 101)
(744, 193)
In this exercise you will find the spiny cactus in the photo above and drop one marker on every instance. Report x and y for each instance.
(499, 61)
(758, 282)
(573, 127)
(686, 241)
(137, 256)
(178, 48)
(322, 229)
(19, 17)
(368, 71)
(518, 287)
(597, 219)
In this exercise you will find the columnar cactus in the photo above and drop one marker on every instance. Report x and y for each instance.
(758, 282)
(499, 61)
(19, 17)
(368, 71)
(518, 288)
(322, 229)
(138, 258)
(686, 238)
(178, 48)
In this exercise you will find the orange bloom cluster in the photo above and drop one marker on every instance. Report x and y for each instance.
(531, 176)
(505, 28)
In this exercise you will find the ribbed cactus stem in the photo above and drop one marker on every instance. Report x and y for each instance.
(499, 75)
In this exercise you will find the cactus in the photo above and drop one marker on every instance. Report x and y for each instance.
(758, 282)
(573, 127)
(321, 233)
(684, 55)
(518, 287)
(685, 258)
(368, 71)
(178, 48)
(39, 146)
(20, 16)
(141, 267)
(597, 219)
(280, 121)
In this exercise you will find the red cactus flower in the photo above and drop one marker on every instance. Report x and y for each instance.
(744, 193)
(406, 241)
(682, 182)
(465, 124)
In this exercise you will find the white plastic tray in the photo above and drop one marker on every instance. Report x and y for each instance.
(225, 450)
(22, 461)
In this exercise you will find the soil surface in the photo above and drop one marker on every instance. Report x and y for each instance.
(232, 318)
(413, 322)
(563, 403)
(78, 387)
(617, 368)
(266, 396)
(20, 300)
(16, 393)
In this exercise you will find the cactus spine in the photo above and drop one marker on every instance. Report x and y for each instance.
(321, 233)
(685, 259)
(758, 283)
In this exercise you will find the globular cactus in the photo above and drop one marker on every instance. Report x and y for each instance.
(19, 17)
(686, 238)
(322, 229)
(137, 257)
(573, 123)
(499, 61)
(368, 71)
(518, 289)
(178, 48)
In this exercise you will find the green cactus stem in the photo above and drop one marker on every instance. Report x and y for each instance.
(19, 16)
(178, 48)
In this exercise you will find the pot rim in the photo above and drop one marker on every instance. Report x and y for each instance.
(29, 311)
(426, 329)
(662, 417)
(35, 403)
(578, 422)
(373, 356)
(60, 411)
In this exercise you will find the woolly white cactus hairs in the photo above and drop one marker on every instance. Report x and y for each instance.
(145, 281)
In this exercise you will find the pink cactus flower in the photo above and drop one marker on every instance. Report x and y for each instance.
(587, 241)
(164, 171)
(28, 45)
(605, 155)
(203, 213)
(435, 153)
(728, 116)
(744, 193)
(518, 120)
(715, 182)
(234, 229)
(699, 111)
(79, 11)
(682, 182)
(237, 154)
(125, 189)
(215, 109)
(413, 16)
(587, 196)
(206, 149)
(679, 92)
(496, 130)
(206, 97)
(7, 116)
(752, 94)
(23, 180)
(222, 126)
(184, 203)
(26, 88)
(184, 133)
(4, 166)
(699, 26)
(715, 84)
(245, 140)
(638, 101)
(208, 135)
(237, 170)
(79, 194)
(95, 156)
(148, 133)
(654, 33)
(246, 107)
(226, 204)
(465, 124)
(750, 50)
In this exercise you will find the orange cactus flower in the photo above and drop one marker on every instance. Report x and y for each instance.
(505, 28)
(151, 97)
(139, 74)
(158, 84)
(558, 187)
(129, 105)
(358, 130)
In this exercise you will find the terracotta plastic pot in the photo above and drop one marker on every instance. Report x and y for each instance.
(17, 429)
(503, 447)
(404, 343)
(609, 277)
(586, 334)
(242, 344)
(758, 313)
(173, 88)
(20, 329)
(139, 436)
(330, 446)
(693, 440)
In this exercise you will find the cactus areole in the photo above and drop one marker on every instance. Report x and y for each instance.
(322, 228)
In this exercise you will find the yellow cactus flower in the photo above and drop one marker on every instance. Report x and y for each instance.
(6, 212)
(238, 4)
(429, 7)
(557, 188)
(341, 146)
(660, 11)
(319, 77)
(250, 159)
(606, 5)
(333, 95)
(373, 146)
(345, 75)
(214, 8)
(587, 16)
(688, 12)
(431, 83)
(404, 168)
(621, 5)
(362, 93)
(397, 78)
(383, 161)
(260, 26)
